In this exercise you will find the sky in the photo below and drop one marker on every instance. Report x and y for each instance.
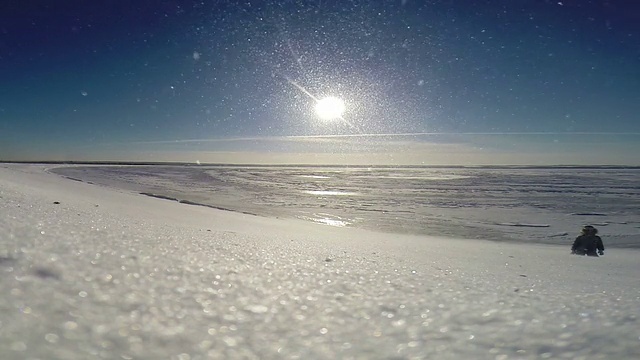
(436, 82)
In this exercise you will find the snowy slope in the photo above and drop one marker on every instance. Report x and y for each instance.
(111, 274)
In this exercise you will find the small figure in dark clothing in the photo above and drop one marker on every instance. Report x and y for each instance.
(588, 242)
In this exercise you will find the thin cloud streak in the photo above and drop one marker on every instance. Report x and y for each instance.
(293, 137)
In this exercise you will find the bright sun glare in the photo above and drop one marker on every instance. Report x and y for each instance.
(330, 108)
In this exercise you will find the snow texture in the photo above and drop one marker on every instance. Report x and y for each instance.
(93, 272)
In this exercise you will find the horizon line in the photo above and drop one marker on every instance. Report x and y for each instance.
(198, 163)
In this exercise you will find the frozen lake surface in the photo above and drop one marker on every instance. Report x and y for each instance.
(480, 202)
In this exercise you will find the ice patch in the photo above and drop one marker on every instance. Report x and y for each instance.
(330, 192)
(420, 177)
(559, 234)
(314, 176)
(523, 225)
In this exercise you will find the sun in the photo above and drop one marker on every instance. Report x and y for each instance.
(330, 108)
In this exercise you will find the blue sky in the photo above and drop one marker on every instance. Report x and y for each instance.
(482, 82)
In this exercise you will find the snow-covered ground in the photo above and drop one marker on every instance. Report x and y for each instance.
(93, 272)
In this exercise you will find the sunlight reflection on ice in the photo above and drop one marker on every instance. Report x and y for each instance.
(327, 219)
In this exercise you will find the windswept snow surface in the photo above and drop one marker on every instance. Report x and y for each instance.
(93, 272)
